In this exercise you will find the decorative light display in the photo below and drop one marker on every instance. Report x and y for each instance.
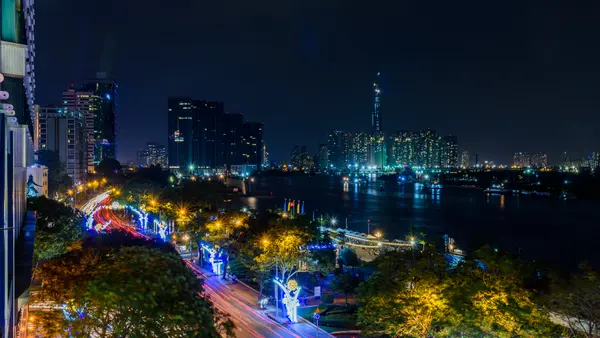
(290, 299)
(215, 259)
(161, 228)
(320, 246)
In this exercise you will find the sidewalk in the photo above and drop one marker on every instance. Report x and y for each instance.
(249, 296)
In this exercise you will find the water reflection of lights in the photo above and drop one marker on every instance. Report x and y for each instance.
(346, 187)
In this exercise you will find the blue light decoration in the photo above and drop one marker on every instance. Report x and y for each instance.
(290, 300)
(161, 228)
(107, 96)
(320, 246)
(215, 259)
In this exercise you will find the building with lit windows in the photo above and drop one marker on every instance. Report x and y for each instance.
(181, 129)
(233, 128)
(339, 145)
(428, 148)
(322, 158)
(403, 148)
(527, 160)
(359, 149)
(88, 104)
(153, 155)
(449, 152)
(253, 144)
(105, 132)
(63, 131)
(464, 159)
(377, 150)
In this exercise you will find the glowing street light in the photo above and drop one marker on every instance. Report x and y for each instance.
(378, 234)
(333, 221)
(191, 167)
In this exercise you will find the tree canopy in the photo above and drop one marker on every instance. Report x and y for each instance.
(57, 227)
(418, 298)
(128, 291)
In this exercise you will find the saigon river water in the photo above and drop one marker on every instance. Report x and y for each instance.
(561, 232)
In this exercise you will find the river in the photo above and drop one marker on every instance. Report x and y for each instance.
(561, 232)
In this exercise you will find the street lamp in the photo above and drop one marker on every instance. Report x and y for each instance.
(333, 221)
(378, 234)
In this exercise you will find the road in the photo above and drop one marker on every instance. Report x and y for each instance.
(249, 321)
(236, 300)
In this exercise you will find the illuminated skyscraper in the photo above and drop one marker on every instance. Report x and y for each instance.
(105, 133)
(88, 104)
(403, 148)
(464, 159)
(322, 158)
(337, 147)
(428, 148)
(526, 160)
(359, 149)
(253, 144)
(64, 131)
(449, 151)
(376, 114)
(377, 150)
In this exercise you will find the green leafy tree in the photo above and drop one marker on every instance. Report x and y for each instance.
(57, 228)
(226, 232)
(493, 298)
(577, 303)
(404, 299)
(129, 292)
(345, 283)
(350, 258)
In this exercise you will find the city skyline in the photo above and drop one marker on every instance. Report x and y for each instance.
(483, 80)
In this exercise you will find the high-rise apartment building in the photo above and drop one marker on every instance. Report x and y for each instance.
(428, 148)
(202, 136)
(105, 132)
(359, 148)
(89, 104)
(233, 128)
(322, 158)
(253, 144)
(338, 145)
(63, 131)
(182, 129)
(464, 159)
(526, 160)
(449, 152)
(377, 150)
(403, 148)
(153, 155)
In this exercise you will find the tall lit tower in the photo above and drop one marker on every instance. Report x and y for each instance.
(376, 114)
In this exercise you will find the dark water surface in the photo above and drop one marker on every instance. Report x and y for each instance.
(563, 233)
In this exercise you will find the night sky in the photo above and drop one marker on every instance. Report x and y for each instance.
(503, 76)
